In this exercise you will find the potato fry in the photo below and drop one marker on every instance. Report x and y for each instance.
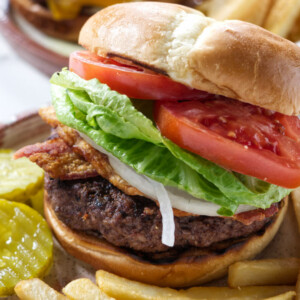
(124, 289)
(282, 16)
(243, 293)
(253, 11)
(296, 203)
(264, 272)
(84, 289)
(286, 296)
(36, 289)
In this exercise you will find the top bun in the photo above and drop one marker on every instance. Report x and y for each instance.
(230, 58)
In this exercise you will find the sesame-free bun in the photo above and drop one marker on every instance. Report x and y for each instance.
(192, 267)
(41, 17)
(230, 58)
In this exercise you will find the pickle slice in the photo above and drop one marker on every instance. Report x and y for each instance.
(26, 245)
(37, 201)
(20, 178)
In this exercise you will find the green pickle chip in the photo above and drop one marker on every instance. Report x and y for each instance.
(37, 201)
(20, 178)
(26, 245)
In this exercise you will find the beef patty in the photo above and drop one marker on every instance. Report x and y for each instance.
(94, 205)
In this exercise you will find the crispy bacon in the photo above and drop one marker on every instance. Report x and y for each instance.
(53, 146)
(97, 159)
(248, 217)
(58, 160)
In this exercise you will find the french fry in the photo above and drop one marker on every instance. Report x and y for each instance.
(253, 11)
(282, 16)
(286, 296)
(124, 289)
(36, 289)
(243, 293)
(296, 204)
(84, 289)
(264, 272)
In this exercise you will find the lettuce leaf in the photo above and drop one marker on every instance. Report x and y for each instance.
(112, 122)
(102, 96)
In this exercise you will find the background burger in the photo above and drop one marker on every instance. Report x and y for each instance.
(175, 204)
(62, 19)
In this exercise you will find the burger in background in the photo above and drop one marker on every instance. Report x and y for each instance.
(61, 19)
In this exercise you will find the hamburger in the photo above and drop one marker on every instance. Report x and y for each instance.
(175, 143)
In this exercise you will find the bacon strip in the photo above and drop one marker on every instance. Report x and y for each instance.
(97, 159)
(248, 217)
(58, 160)
(53, 146)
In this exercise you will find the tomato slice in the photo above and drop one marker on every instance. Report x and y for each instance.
(132, 81)
(238, 136)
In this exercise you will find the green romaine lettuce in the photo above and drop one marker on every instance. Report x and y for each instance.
(113, 123)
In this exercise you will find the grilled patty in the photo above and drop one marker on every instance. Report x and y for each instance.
(94, 205)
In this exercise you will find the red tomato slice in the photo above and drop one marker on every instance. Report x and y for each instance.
(238, 136)
(131, 81)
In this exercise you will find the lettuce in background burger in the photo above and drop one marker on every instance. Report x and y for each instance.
(171, 205)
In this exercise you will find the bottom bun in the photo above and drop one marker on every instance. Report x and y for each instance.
(192, 267)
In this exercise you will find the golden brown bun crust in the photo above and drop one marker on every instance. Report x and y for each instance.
(230, 58)
(193, 268)
(42, 19)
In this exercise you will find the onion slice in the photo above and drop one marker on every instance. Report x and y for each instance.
(165, 207)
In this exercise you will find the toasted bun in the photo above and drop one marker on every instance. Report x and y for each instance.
(193, 267)
(42, 19)
(230, 58)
